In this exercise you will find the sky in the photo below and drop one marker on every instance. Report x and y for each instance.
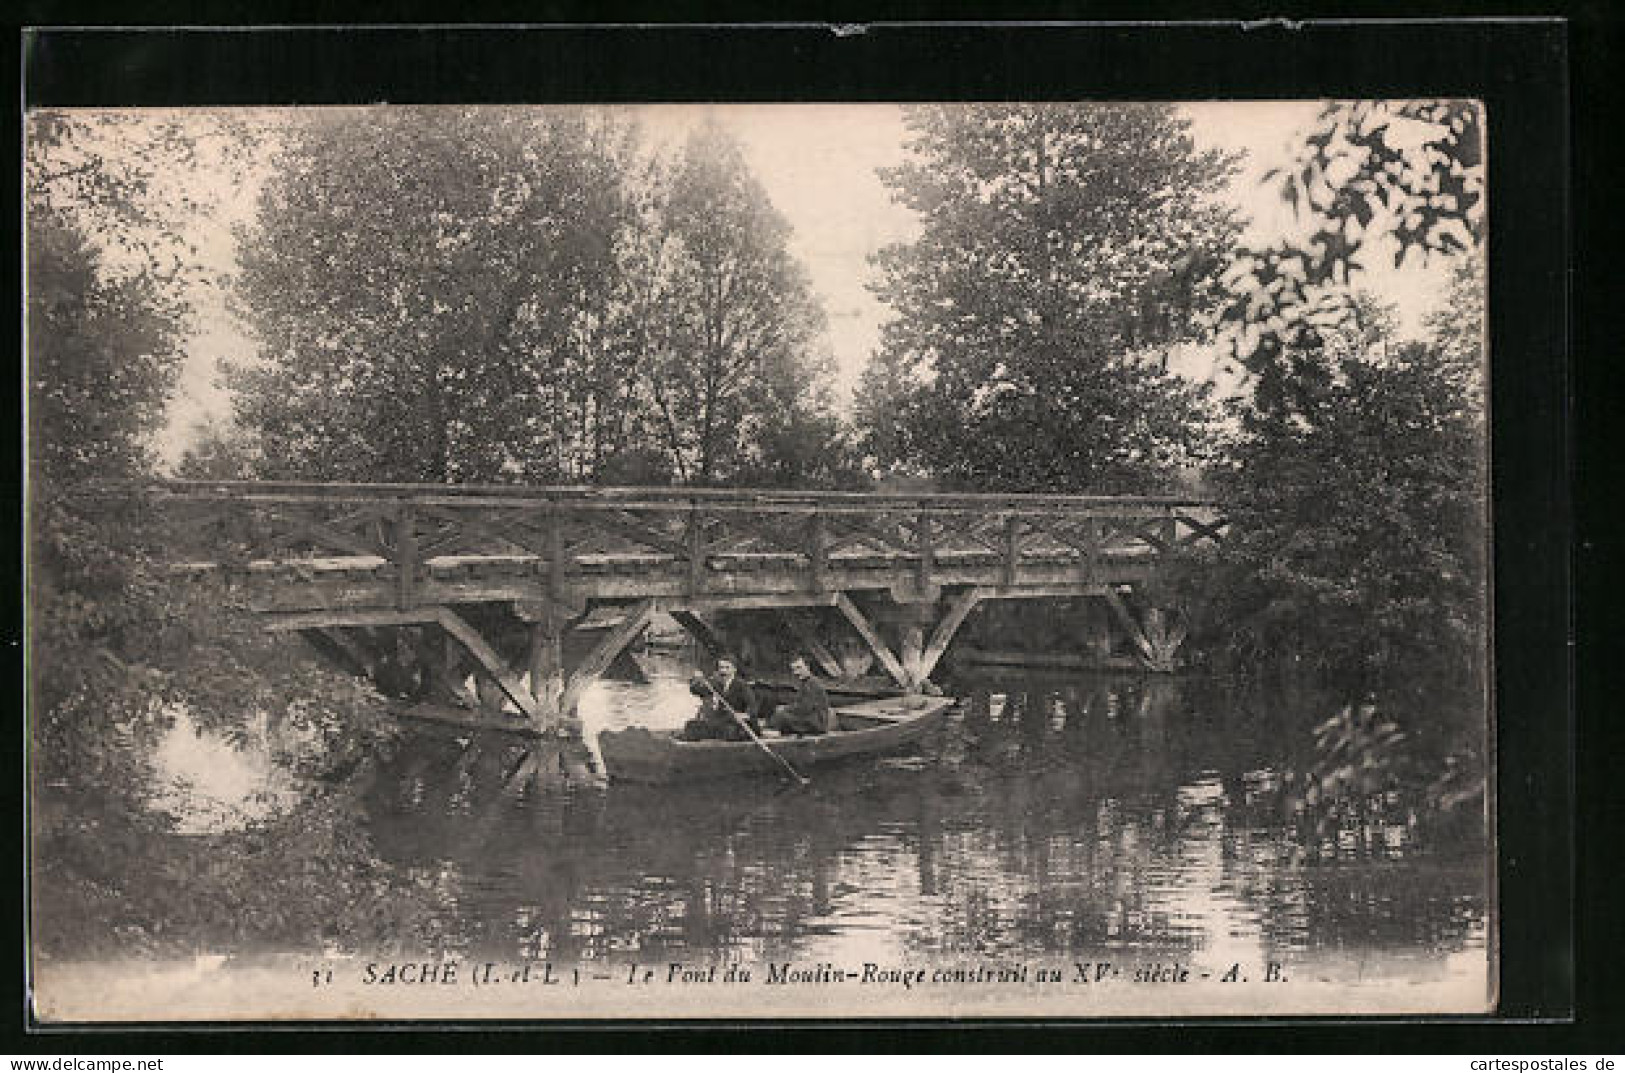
(818, 164)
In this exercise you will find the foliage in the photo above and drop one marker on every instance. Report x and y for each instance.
(124, 180)
(217, 451)
(306, 878)
(426, 286)
(737, 371)
(103, 352)
(1357, 546)
(1066, 249)
(1376, 178)
(116, 648)
(1357, 486)
(484, 294)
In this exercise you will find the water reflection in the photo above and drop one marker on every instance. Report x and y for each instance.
(1074, 817)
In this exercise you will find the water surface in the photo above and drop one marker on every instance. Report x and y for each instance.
(1081, 816)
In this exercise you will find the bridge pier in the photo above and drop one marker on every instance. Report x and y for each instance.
(544, 685)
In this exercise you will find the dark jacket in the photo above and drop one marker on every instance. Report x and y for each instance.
(808, 711)
(712, 722)
(739, 695)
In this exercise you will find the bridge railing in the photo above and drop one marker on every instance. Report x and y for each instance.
(412, 531)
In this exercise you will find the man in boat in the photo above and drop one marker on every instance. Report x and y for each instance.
(808, 711)
(713, 722)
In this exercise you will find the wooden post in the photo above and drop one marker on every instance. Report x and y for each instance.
(924, 539)
(555, 552)
(1012, 547)
(1097, 632)
(696, 552)
(546, 666)
(817, 552)
(911, 650)
(1091, 532)
(406, 555)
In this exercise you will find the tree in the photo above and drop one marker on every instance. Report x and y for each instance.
(736, 368)
(1377, 178)
(1065, 250)
(1357, 491)
(1356, 499)
(430, 289)
(219, 452)
(117, 648)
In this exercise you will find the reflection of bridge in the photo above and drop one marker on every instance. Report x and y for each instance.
(509, 583)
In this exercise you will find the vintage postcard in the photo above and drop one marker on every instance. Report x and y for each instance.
(759, 561)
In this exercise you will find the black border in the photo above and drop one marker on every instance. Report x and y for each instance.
(1518, 68)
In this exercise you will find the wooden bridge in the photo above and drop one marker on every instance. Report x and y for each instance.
(533, 592)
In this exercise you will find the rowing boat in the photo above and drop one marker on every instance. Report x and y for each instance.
(638, 754)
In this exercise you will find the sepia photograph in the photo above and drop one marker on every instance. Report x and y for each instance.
(759, 561)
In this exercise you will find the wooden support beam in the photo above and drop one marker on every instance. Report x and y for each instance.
(528, 768)
(339, 649)
(701, 631)
(1033, 592)
(307, 620)
(745, 602)
(818, 551)
(943, 635)
(882, 651)
(1126, 619)
(1200, 530)
(454, 624)
(807, 638)
(599, 658)
(546, 667)
(641, 670)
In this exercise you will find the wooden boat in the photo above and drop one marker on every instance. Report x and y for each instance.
(638, 754)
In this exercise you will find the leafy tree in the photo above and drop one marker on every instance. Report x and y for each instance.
(429, 288)
(217, 451)
(798, 441)
(737, 364)
(116, 648)
(1065, 250)
(1357, 554)
(1356, 498)
(1358, 487)
(1372, 178)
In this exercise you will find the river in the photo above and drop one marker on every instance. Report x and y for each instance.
(1152, 825)
(1075, 816)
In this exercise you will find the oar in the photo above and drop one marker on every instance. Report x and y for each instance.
(745, 723)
